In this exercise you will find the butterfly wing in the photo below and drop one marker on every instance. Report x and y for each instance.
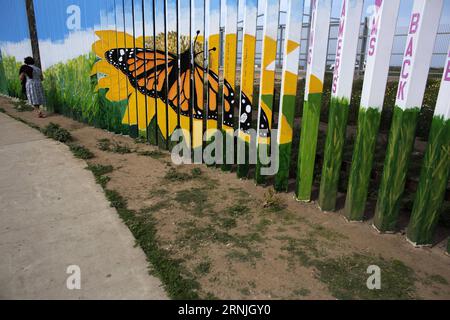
(145, 69)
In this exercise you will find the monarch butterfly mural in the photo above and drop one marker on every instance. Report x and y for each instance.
(146, 72)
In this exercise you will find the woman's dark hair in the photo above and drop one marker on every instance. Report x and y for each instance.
(29, 60)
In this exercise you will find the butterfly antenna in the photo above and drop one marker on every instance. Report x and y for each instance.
(196, 36)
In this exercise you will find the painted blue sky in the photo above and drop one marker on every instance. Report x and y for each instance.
(51, 16)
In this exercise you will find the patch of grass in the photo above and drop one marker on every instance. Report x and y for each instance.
(239, 192)
(228, 223)
(157, 206)
(120, 148)
(248, 255)
(56, 132)
(104, 144)
(195, 200)
(245, 291)
(177, 283)
(196, 172)
(102, 180)
(116, 200)
(174, 175)
(80, 151)
(2, 110)
(346, 278)
(99, 169)
(140, 140)
(155, 154)
(203, 268)
(263, 225)
(436, 278)
(22, 106)
(237, 210)
(158, 193)
(302, 292)
(301, 250)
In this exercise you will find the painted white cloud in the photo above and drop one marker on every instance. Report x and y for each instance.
(52, 52)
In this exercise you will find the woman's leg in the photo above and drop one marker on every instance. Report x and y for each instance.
(38, 110)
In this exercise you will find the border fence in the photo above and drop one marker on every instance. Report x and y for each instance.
(164, 70)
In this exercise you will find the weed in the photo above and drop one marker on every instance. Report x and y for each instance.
(203, 268)
(155, 154)
(81, 152)
(245, 291)
(102, 180)
(2, 110)
(57, 133)
(104, 144)
(117, 147)
(272, 201)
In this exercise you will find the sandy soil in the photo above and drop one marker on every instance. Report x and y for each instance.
(237, 245)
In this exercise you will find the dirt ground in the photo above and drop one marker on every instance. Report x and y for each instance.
(241, 241)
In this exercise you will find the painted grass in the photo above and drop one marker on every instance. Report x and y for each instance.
(70, 91)
(284, 150)
(308, 146)
(432, 184)
(334, 146)
(362, 161)
(400, 145)
(282, 177)
(227, 136)
(242, 169)
(11, 69)
(3, 81)
(259, 178)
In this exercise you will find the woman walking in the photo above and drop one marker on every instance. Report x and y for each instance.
(32, 76)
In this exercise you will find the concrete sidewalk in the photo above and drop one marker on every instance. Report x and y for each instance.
(53, 215)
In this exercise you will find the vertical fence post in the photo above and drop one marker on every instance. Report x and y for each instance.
(3, 80)
(316, 64)
(197, 87)
(362, 53)
(435, 169)
(229, 100)
(288, 92)
(413, 77)
(267, 82)
(382, 28)
(213, 36)
(247, 85)
(344, 68)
